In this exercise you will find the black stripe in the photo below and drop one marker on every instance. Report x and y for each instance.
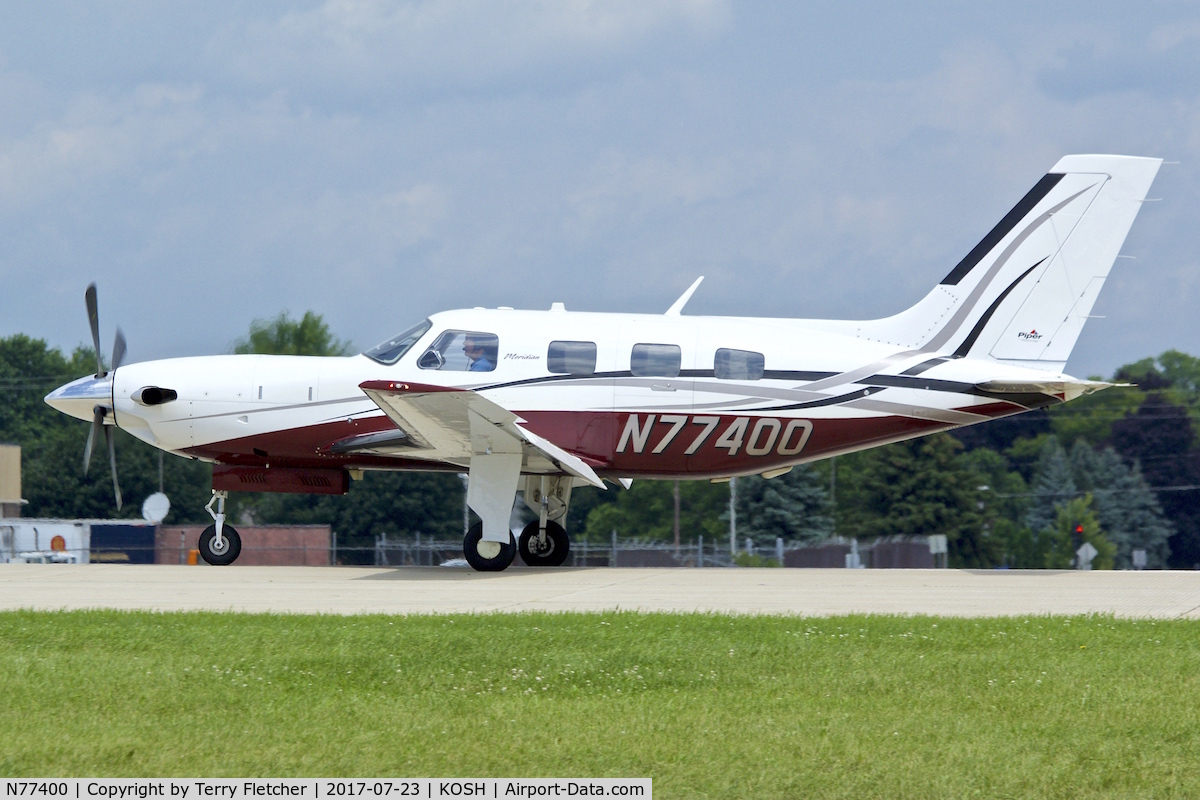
(771, 374)
(874, 385)
(924, 365)
(1019, 211)
(969, 342)
(797, 375)
(857, 394)
(1027, 399)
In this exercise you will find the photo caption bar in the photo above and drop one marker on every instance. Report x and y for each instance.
(320, 788)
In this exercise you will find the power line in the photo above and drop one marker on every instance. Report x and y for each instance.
(1078, 493)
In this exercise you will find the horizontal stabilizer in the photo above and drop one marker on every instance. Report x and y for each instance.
(1066, 389)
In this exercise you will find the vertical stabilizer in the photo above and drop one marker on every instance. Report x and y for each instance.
(1022, 295)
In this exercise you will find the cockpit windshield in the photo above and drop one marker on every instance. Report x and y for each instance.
(391, 351)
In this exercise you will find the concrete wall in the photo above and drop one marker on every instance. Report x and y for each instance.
(262, 545)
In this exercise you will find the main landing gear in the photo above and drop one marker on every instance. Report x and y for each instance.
(544, 546)
(543, 543)
(220, 544)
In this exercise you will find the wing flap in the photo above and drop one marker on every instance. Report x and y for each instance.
(436, 425)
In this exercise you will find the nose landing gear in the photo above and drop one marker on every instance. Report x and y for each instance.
(220, 544)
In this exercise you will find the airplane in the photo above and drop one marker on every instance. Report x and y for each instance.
(544, 401)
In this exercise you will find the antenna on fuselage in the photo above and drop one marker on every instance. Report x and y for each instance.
(674, 310)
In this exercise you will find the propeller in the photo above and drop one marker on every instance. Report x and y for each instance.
(100, 412)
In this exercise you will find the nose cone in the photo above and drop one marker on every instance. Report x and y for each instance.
(79, 398)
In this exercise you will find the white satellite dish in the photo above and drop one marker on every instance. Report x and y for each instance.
(155, 508)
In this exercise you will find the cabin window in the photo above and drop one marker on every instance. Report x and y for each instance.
(394, 348)
(655, 360)
(738, 365)
(462, 351)
(571, 358)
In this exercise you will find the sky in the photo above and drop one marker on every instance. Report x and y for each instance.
(208, 164)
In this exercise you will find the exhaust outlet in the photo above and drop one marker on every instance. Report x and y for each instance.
(153, 396)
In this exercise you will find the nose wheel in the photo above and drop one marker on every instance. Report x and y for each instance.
(549, 549)
(221, 551)
(220, 544)
(487, 556)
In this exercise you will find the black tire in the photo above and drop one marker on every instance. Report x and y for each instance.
(229, 554)
(552, 554)
(504, 555)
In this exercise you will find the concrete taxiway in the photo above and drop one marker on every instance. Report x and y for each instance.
(435, 590)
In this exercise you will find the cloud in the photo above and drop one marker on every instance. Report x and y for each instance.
(362, 47)
(379, 161)
(96, 140)
(1158, 62)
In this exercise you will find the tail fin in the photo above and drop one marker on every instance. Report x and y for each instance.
(1022, 295)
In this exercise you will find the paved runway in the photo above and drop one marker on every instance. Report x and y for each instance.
(436, 590)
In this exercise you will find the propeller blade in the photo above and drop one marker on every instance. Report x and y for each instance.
(112, 462)
(118, 354)
(97, 424)
(94, 320)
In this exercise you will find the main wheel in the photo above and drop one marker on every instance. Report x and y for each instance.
(552, 552)
(487, 556)
(229, 549)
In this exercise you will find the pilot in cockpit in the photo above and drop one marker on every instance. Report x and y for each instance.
(477, 354)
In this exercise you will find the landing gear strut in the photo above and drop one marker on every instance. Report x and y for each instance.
(544, 542)
(220, 544)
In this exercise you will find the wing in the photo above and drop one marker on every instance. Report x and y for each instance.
(453, 425)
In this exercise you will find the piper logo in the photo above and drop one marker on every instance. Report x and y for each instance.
(1032, 336)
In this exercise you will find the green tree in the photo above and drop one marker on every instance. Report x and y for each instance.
(1076, 522)
(1160, 437)
(308, 336)
(1181, 371)
(1091, 418)
(1017, 546)
(1004, 504)
(646, 512)
(1006, 495)
(917, 488)
(1053, 485)
(52, 446)
(793, 506)
(1173, 374)
(1129, 512)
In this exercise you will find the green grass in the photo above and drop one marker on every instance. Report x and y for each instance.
(707, 706)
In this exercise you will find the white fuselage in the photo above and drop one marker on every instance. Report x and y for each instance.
(807, 393)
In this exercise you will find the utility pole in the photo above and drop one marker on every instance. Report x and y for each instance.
(733, 516)
(833, 492)
(676, 519)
